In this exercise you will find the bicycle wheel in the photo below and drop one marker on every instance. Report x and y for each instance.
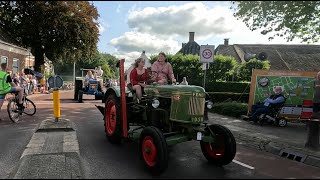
(29, 107)
(13, 111)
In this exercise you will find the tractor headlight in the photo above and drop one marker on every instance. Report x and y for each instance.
(209, 104)
(155, 103)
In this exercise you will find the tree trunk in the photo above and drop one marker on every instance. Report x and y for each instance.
(313, 135)
(39, 59)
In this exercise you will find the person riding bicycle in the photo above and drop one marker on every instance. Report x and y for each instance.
(7, 86)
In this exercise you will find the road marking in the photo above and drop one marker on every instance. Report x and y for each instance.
(243, 164)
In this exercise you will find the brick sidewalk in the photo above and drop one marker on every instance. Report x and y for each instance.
(270, 138)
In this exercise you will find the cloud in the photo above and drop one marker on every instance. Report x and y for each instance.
(180, 20)
(101, 29)
(136, 41)
(131, 44)
(102, 26)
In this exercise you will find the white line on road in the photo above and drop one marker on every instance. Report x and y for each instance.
(243, 164)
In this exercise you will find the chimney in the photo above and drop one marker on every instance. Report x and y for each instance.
(191, 36)
(226, 42)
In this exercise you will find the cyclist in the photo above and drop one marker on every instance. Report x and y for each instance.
(7, 86)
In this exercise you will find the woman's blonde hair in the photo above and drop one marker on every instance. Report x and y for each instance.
(137, 61)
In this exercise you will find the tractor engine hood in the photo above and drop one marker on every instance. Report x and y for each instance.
(169, 90)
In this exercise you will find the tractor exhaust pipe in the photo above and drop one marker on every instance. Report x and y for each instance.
(101, 109)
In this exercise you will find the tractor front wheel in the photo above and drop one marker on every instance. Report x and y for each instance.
(153, 150)
(112, 120)
(80, 96)
(223, 150)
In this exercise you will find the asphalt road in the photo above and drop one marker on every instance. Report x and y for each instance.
(104, 160)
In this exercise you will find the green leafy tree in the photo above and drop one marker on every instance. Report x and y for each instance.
(288, 19)
(244, 70)
(60, 30)
(106, 61)
(222, 68)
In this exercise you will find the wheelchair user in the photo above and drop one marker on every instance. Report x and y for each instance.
(272, 101)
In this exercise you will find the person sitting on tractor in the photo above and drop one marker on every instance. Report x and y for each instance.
(162, 70)
(89, 77)
(139, 77)
(270, 102)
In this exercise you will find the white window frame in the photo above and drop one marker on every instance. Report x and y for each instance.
(2, 58)
(13, 67)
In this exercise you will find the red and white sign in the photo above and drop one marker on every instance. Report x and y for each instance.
(206, 53)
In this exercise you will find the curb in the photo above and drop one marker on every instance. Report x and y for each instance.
(279, 149)
(52, 152)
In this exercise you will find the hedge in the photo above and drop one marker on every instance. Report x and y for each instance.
(229, 96)
(236, 87)
(233, 109)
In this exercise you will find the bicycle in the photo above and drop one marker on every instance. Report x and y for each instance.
(14, 112)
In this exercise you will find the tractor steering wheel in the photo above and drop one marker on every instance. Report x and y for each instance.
(152, 76)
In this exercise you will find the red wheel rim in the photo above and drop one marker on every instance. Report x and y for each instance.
(149, 151)
(111, 117)
(216, 150)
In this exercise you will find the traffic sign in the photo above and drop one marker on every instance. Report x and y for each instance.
(206, 53)
(55, 82)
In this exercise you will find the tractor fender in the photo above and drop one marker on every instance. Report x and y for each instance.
(112, 90)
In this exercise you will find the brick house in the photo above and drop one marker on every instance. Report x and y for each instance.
(14, 55)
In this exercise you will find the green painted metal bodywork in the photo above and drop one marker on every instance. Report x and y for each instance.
(175, 139)
(179, 138)
(187, 102)
(116, 90)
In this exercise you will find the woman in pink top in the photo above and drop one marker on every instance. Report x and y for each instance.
(163, 70)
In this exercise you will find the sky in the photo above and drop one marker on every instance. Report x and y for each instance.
(128, 27)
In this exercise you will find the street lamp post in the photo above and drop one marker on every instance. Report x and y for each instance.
(29, 49)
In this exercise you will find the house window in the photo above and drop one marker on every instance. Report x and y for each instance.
(15, 65)
(4, 59)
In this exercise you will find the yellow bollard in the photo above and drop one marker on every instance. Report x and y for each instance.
(56, 104)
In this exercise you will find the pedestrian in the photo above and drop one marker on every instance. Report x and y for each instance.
(313, 131)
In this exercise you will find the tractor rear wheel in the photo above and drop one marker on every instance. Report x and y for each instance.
(153, 150)
(112, 120)
(223, 150)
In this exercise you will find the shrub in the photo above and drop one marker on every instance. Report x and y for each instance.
(233, 109)
(218, 97)
(236, 87)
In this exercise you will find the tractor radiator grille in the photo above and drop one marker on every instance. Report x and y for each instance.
(196, 106)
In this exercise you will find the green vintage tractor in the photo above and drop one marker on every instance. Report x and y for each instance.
(166, 115)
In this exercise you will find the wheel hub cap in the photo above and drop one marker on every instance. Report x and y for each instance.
(149, 151)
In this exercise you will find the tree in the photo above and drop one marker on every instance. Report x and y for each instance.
(60, 30)
(244, 70)
(288, 19)
(221, 68)
(106, 61)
